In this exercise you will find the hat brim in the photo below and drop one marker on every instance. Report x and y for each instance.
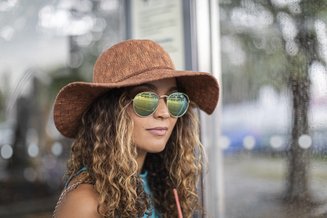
(75, 98)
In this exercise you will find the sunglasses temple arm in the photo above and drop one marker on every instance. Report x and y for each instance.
(179, 210)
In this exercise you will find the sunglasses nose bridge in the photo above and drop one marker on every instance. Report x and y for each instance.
(162, 107)
(164, 97)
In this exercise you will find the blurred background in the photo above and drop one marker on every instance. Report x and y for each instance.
(266, 142)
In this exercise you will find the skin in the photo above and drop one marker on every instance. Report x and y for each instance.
(144, 137)
(82, 202)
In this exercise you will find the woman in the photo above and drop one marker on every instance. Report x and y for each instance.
(136, 135)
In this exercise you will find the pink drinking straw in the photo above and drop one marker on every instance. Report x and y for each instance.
(179, 210)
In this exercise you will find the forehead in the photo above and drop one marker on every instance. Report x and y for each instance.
(164, 84)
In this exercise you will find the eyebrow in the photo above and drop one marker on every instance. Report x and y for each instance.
(153, 87)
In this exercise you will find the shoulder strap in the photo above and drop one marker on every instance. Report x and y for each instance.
(68, 188)
(63, 194)
(83, 169)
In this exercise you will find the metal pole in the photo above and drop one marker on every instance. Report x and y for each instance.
(208, 44)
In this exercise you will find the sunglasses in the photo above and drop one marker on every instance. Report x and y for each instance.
(146, 103)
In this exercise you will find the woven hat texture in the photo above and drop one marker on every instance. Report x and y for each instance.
(129, 63)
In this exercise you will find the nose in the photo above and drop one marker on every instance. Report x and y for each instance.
(162, 110)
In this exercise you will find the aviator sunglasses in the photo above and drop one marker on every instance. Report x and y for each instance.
(146, 103)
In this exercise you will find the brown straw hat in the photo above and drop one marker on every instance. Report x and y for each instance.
(129, 63)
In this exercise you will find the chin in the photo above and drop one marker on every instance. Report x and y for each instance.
(156, 149)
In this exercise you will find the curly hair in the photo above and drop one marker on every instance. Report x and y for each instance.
(104, 145)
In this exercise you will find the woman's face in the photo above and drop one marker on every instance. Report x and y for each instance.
(151, 133)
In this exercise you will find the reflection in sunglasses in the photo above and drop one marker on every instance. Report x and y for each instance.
(145, 103)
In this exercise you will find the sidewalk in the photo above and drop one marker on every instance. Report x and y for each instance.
(254, 186)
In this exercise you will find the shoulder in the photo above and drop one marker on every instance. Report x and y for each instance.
(80, 202)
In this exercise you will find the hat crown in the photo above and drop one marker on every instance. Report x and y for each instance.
(130, 58)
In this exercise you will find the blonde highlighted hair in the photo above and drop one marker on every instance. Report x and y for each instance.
(104, 145)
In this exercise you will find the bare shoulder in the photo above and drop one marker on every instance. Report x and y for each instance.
(80, 202)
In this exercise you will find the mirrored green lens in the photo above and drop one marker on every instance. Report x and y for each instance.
(177, 104)
(145, 103)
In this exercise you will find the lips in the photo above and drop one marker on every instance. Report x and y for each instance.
(158, 131)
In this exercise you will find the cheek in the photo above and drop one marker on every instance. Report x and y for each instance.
(174, 121)
(141, 137)
(138, 123)
(135, 119)
(173, 124)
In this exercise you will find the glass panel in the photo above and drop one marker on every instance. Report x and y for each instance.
(274, 107)
(44, 45)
